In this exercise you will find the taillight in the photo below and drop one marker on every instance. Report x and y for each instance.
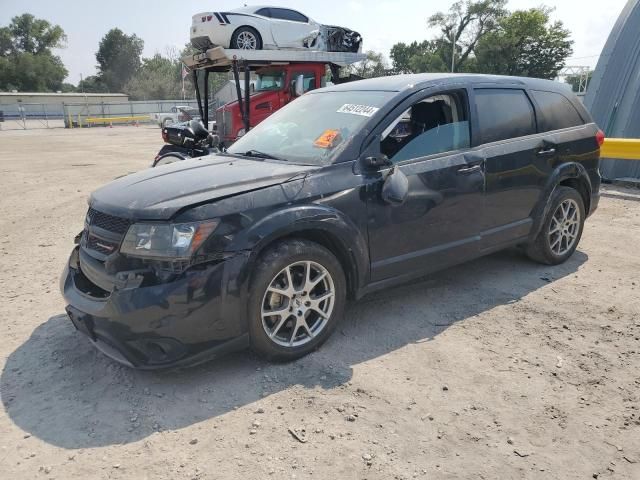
(600, 137)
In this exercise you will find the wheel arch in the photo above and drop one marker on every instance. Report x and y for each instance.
(255, 28)
(583, 186)
(572, 175)
(324, 226)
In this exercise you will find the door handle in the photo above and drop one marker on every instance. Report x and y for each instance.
(548, 151)
(468, 170)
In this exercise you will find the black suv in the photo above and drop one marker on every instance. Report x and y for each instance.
(345, 191)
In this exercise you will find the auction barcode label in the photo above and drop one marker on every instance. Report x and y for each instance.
(364, 110)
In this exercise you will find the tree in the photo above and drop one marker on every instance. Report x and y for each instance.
(118, 58)
(525, 43)
(34, 35)
(68, 88)
(160, 78)
(465, 24)
(92, 84)
(579, 83)
(374, 65)
(417, 57)
(26, 59)
(157, 79)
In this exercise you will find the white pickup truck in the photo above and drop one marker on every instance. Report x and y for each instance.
(177, 114)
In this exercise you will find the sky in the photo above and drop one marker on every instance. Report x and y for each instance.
(164, 24)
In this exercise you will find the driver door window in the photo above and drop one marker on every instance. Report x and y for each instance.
(434, 125)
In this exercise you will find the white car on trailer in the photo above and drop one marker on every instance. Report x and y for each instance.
(269, 28)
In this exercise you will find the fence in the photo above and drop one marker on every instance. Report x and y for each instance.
(30, 115)
(75, 114)
(38, 115)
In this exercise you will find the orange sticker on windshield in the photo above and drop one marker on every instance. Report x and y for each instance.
(328, 139)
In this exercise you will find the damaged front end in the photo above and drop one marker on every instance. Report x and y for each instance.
(146, 311)
(334, 39)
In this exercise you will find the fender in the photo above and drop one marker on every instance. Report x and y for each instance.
(564, 171)
(350, 241)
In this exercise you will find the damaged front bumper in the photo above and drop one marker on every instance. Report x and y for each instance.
(145, 324)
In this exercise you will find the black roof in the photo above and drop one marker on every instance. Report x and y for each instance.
(399, 83)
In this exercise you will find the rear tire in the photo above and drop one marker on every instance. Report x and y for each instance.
(246, 38)
(562, 228)
(297, 298)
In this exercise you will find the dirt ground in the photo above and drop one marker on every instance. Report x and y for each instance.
(497, 369)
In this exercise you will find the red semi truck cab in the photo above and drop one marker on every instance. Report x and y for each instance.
(274, 88)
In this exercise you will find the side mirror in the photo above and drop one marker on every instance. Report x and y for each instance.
(299, 86)
(395, 188)
(376, 163)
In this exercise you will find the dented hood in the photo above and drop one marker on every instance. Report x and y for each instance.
(159, 193)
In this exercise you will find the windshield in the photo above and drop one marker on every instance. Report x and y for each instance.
(270, 81)
(314, 128)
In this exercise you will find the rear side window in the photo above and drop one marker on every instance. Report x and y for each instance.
(557, 111)
(285, 14)
(504, 114)
(265, 12)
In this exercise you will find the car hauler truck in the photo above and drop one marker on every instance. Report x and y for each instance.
(282, 75)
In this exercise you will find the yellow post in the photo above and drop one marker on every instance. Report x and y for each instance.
(622, 148)
(70, 120)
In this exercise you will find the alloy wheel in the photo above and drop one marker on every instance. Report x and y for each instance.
(247, 41)
(564, 227)
(298, 303)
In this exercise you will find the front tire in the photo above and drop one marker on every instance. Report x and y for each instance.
(562, 228)
(297, 299)
(246, 38)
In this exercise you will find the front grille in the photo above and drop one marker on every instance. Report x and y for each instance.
(108, 222)
(99, 245)
(103, 234)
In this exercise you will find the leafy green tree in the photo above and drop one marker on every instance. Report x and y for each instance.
(160, 78)
(34, 35)
(374, 65)
(68, 88)
(92, 84)
(27, 62)
(525, 43)
(118, 58)
(465, 23)
(417, 57)
(576, 81)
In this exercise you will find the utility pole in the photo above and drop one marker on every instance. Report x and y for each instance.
(453, 50)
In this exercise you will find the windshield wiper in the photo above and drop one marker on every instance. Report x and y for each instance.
(259, 154)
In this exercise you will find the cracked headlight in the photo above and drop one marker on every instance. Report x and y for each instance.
(165, 240)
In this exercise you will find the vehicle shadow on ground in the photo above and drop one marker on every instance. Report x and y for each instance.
(58, 388)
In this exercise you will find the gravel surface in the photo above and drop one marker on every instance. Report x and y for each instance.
(500, 368)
